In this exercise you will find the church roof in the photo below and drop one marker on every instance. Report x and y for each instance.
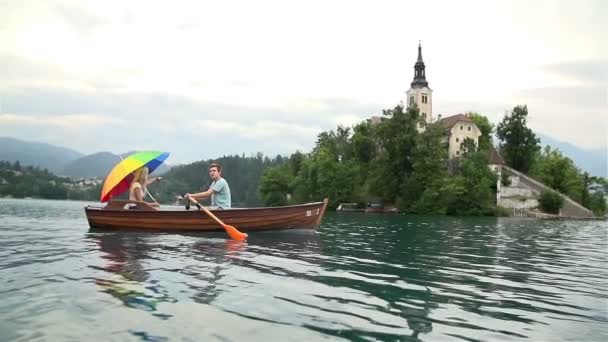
(419, 72)
(495, 157)
(451, 121)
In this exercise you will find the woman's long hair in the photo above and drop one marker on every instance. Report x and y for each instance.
(141, 175)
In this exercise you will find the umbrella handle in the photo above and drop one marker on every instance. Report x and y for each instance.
(149, 194)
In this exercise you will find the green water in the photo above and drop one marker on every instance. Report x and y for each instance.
(360, 277)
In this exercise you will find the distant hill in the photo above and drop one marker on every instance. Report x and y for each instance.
(44, 156)
(593, 161)
(60, 160)
(92, 165)
(99, 165)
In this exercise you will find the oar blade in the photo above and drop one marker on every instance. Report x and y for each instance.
(234, 233)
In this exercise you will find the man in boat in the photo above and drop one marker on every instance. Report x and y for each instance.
(219, 191)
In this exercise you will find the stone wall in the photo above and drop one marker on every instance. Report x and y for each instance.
(519, 180)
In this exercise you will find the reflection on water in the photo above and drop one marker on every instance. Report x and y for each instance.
(124, 254)
(128, 253)
(361, 277)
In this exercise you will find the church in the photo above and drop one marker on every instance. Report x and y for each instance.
(520, 196)
(458, 127)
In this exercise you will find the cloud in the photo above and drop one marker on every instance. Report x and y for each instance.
(258, 129)
(579, 98)
(19, 69)
(71, 121)
(117, 120)
(80, 20)
(271, 76)
(588, 72)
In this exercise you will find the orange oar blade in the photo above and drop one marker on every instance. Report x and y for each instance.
(234, 233)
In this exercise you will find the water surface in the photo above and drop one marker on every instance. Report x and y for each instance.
(360, 277)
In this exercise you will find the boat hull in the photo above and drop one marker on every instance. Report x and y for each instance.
(114, 216)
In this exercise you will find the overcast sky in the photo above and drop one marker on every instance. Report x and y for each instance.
(204, 79)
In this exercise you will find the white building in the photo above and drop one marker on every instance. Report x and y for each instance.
(458, 128)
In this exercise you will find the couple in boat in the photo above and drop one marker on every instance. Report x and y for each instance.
(219, 191)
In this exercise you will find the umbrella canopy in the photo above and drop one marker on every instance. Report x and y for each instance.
(119, 179)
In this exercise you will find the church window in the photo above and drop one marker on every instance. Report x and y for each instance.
(424, 115)
(457, 140)
(411, 100)
(424, 99)
(468, 128)
(457, 153)
(461, 128)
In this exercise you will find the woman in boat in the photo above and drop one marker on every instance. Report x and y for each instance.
(139, 185)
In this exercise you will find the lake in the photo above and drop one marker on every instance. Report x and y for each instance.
(386, 277)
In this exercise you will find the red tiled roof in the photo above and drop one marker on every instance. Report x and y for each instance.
(451, 121)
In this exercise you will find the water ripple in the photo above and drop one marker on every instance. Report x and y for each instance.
(361, 277)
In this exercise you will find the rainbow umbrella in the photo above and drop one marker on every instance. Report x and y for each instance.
(119, 179)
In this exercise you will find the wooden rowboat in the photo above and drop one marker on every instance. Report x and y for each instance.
(142, 216)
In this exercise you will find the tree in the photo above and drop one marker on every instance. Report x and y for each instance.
(468, 147)
(519, 144)
(423, 189)
(559, 172)
(295, 162)
(597, 203)
(274, 186)
(336, 180)
(364, 147)
(550, 202)
(337, 143)
(477, 182)
(397, 138)
(486, 128)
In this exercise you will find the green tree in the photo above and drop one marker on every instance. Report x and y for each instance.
(364, 146)
(468, 147)
(559, 172)
(337, 143)
(519, 144)
(274, 186)
(336, 180)
(397, 138)
(304, 185)
(472, 186)
(423, 189)
(295, 162)
(486, 128)
(597, 203)
(550, 202)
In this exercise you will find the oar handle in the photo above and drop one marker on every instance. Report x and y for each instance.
(201, 207)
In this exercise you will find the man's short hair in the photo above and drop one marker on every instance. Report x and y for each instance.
(217, 166)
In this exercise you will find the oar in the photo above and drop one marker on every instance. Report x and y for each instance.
(234, 233)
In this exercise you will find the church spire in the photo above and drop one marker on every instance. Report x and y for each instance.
(419, 73)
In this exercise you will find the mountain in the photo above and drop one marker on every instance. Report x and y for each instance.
(92, 165)
(62, 161)
(594, 161)
(99, 165)
(45, 156)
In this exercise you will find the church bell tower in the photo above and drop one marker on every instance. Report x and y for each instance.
(419, 93)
